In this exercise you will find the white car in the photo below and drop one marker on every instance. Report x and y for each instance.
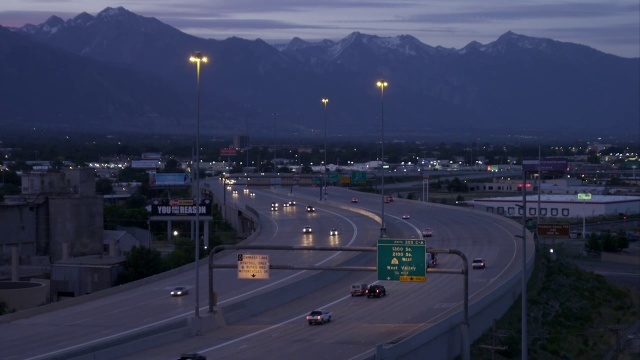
(333, 232)
(307, 230)
(318, 317)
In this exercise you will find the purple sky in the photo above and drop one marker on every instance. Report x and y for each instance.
(612, 26)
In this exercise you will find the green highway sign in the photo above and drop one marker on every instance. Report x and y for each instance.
(333, 177)
(358, 177)
(316, 180)
(402, 260)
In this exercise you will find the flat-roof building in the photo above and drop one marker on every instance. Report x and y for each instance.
(561, 206)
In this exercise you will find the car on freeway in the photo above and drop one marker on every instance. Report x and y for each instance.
(179, 291)
(358, 289)
(286, 204)
(333, 232)
(427, 232)
(390, 198)
(406, 216)
(354, 200)
(431, 260)
(252, 194)
(478, 263)
(246, 191)
(376, 290)
(291, 203)
(274, 208)
(192, 356)
(235, 192)
(318, 317)
(310, 208)
(307, 230)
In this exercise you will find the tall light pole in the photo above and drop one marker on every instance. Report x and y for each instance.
(275, 143)
(197, 57)
(246, 134)
(382, 84)
(324, 170)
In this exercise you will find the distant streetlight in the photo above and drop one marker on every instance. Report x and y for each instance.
(382, 84)
(325, 101)
(197, 57)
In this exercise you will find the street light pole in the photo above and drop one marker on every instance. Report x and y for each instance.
(197, 57)
(275, 143)
(382, 84)
(246, 134)
(324, 168)
(524, 351)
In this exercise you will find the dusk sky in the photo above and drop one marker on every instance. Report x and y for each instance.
(611, 26)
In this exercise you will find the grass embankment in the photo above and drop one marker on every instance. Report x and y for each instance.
(572, 314)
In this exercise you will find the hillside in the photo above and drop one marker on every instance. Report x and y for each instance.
(572, 315)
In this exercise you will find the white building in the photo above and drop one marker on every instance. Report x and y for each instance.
(561, 206)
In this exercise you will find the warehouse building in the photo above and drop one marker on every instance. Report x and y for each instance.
(560, 206)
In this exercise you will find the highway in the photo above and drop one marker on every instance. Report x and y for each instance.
(359, 324)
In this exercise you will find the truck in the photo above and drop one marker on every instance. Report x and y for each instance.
(318, 317)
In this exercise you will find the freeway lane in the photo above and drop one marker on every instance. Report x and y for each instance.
(45, 335)
(360, 324)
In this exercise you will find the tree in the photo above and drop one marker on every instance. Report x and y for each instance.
(172, 166)
(593, 157)
(129, 174)
(104, 186)
(141, 262)
(593, 244)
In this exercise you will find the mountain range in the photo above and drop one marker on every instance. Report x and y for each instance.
(122, 72)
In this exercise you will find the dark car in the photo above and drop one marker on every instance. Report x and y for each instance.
(310, 208)
(376, 291)
(192, 356)
(478, 263)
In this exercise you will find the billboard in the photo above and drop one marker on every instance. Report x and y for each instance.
(169, 179)
(180, 207)
(546, 164)
(228, 152)
(145, 164)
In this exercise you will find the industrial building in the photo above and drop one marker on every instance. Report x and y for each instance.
(560, 206)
